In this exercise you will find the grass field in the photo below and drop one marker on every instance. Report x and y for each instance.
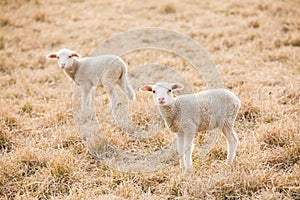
(255, 46)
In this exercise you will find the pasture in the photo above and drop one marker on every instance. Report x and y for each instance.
(255, 46)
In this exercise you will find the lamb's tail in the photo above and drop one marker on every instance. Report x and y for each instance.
(125, 84)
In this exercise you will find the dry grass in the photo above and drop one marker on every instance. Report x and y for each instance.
(255, 46)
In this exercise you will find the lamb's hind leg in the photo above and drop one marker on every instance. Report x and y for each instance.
(119, 109)
(210, 141)
(232, 143)
(109, 88)
(126, 86)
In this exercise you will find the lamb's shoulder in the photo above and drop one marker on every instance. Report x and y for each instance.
(188, 108)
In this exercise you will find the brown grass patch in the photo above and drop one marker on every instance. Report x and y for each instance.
(5, 141)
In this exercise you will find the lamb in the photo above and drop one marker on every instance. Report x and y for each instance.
(209, 110)
(106, 70)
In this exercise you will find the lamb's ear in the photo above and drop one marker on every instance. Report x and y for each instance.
(75, 54)
(146, 88)
(176, 86)
(52, 55)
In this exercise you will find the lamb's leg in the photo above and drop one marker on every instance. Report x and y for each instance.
(109, 80)
(188, 149)
(119, 110)
(109, 88)
(180, 148)
(210, 141)
(86, 97)
(126, 86)
(232, 143)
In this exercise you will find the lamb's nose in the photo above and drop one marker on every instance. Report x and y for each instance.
(161, 98)
(63, 65)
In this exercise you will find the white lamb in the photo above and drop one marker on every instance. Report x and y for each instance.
(204, 111)
(107, 71)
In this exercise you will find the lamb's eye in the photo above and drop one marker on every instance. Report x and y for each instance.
(169, 90)
(70, 56)
(153, 91)
(57, 57)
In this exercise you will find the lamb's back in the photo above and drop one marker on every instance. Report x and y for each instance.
(208, 108)
(93, 68)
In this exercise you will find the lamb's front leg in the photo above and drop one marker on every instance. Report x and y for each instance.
(180, 148)
(188, 149)
(86, 97)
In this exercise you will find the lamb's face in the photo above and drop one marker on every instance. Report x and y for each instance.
(162, 92)
(162, 95)
(64, 58)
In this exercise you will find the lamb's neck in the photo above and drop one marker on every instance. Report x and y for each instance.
(72, 71)
(168, 113)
